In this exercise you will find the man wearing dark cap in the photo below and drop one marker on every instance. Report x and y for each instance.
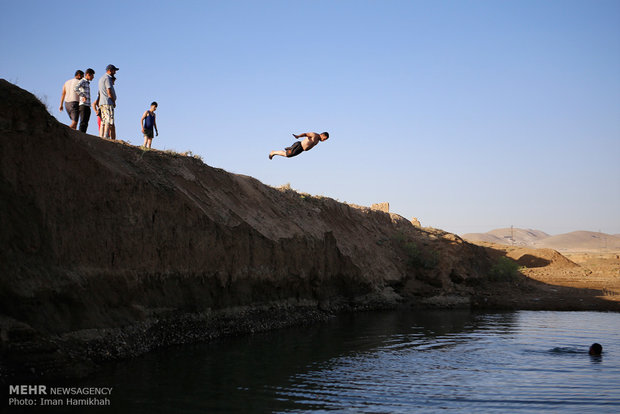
(107, 102)
(312, 138)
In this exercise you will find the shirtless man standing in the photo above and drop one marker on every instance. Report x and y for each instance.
(312, 138)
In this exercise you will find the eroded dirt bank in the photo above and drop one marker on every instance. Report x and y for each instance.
(108, 251)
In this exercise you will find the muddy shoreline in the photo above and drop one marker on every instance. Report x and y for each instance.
(81, 353)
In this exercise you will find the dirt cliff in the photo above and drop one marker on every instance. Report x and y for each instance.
(109, 251)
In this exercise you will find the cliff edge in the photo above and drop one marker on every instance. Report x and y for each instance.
(109, 251)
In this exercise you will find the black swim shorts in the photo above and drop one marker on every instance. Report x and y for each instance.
(294, 149)
(73, 110)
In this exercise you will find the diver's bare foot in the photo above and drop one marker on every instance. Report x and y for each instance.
(271, 155)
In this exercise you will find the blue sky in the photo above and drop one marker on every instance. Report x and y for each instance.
(470, 115)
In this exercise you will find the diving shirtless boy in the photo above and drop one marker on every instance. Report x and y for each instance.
(312, 138)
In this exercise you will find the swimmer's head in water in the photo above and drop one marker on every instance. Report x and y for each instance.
(595, 349)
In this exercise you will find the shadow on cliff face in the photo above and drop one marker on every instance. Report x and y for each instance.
(111, 251)
(105, 243)
(100, 234)
(527, 256)
(529, 260)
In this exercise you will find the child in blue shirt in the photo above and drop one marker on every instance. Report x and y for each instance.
(147, 123)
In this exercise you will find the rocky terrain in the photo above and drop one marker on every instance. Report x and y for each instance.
(551, 280)
(109, 251)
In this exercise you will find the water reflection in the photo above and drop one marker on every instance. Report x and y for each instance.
(385, 362)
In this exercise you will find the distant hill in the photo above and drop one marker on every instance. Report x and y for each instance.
(580, 240)
(574, 241)
(514, 236)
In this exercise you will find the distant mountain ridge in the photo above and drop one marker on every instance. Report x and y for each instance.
(521, 237)
(576, 240)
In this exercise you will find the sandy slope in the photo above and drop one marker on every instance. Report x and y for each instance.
(555, 281)
(598, 272)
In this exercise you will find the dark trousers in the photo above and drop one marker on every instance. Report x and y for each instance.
(84, 117)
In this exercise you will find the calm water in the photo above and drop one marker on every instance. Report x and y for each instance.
(390, 362)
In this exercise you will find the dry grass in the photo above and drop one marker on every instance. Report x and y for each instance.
(182, 154)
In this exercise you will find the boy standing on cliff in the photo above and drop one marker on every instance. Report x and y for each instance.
(312, 138)
(83, 90)
(147, 122)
